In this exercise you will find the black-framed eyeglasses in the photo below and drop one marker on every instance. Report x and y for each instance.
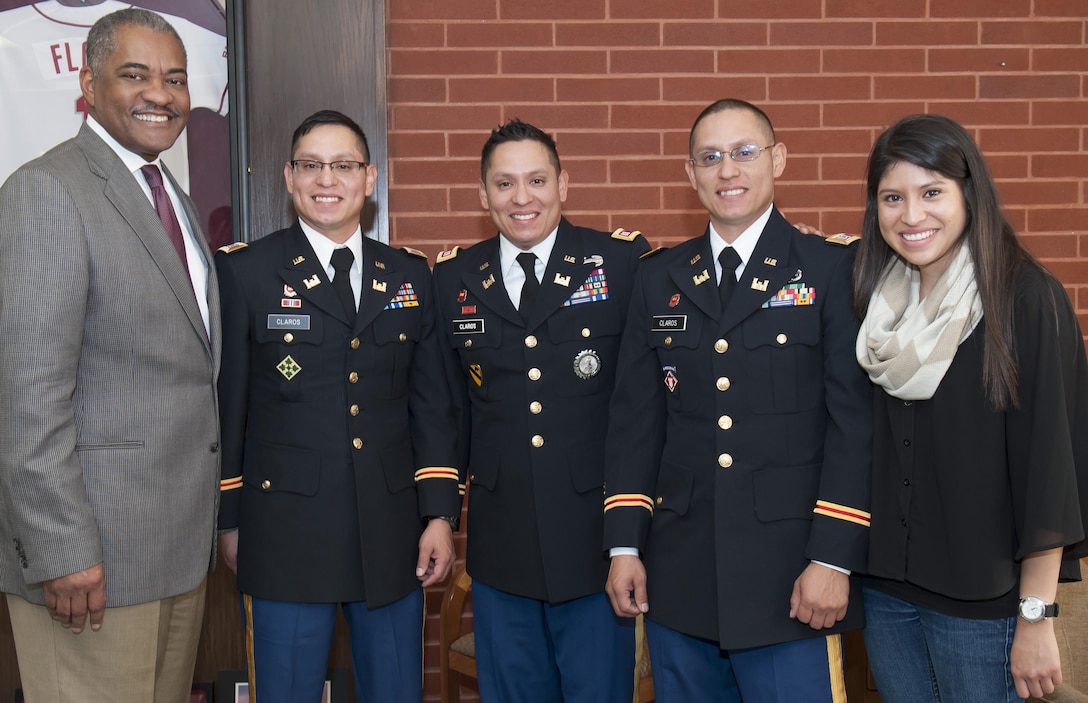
(310, 167)
(713, 157)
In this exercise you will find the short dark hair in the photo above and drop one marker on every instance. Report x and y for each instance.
(730, 104)
(102, 39)
(334, 118)
(517, 131)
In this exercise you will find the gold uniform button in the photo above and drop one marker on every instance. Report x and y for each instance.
(722, 384)
(468, 343)
(403, 337)
(781, 339)
(725, 422)
(354, 410)
(266, 484)
(353, 377)
(586, 332)
(725, 461)
(530, 341)
(357, 443)
(288, 338)
(538, 441)
(355, 343)
(721, 346)
(659, 500)
(668, 341)
(535, 407)
(534, 374)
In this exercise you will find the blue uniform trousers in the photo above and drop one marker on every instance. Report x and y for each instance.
(531, 651)
(291, 643)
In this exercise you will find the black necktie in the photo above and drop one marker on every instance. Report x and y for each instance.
(531, 286)
(341, 283)
(730, 260)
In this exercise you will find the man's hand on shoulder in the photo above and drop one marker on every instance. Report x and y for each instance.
(71, 598)
(626, 586)
(820, 596)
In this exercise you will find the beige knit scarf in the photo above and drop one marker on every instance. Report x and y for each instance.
(906, 345)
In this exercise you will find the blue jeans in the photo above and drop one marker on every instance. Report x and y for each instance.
(921, 656)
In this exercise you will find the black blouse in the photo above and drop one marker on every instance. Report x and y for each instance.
(962, 493)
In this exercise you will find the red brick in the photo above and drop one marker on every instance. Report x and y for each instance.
(674, 9)
(679, 195)
(704, 90)
(1059, 8)
(609, 199)
(640, 61)
(550, 117)
(1033, 86)
(1032, 32)
(611, 143)
(595, 34)
(669, 228)
(923, 87)
(1017, 217)
(441, 9)
(868, 114)
(498, 34)
(769, 61)
(1029, 139)
(1070, 218)
(416, 90)
(451, 227)
(926, 33)
(801, 168)
(566, 9)
(716, 34)
(443, 117)
(1008, 166)
(403, 35)
(443, 62)
(1070, 273)
(467, 199)
(653, 117)
(874, 61)
(844, 168)
(856, 9)
(594, 220)
(824, 33)
(1037, 192)
(820, 88)
(819, 195)
(1064, 59)
(480, 89)
(676, 143)
(984, 112)
(1073, 112)
(847, 220)
(468, 145)
(554, 62)
(583, 171)
(438, 172)
(607, 90)
(418, 200)
(980, 60)
(407, 144)
(779, 9)
(979, 8)
(1060, 165)
(793, 115)
(1051, 245)
(662, 170)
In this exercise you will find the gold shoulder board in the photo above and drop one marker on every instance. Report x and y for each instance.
(415, 252)
(652, 252)
(842, 239)
(447, 255)
(231, 248)
(625, 234)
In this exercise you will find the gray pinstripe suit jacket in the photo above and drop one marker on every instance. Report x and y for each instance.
(109, 435)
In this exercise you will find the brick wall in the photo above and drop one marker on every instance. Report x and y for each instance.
(618, 82)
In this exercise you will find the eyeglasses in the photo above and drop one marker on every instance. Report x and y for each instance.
(308, 167)
(713, 157)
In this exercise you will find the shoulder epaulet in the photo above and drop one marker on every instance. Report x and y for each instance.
(415, 252)
(843, 240)
(625, 234)
(650, 253)
(231, 248)
(447, 255)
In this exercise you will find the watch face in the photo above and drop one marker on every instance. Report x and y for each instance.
(1032, 609)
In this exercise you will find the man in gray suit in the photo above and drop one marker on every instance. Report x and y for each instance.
(109, 446)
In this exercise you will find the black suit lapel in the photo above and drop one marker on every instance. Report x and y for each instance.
(484, 280)
(695, 278)
(381, 283)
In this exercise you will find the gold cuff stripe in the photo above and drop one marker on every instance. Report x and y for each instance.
(229, 484)
(629, 500)
(842, 512)
(437, 472)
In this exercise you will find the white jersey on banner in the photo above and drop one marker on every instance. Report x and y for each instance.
(41, 52)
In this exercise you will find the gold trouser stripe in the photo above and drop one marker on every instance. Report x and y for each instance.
(247, 603)
(835, 668)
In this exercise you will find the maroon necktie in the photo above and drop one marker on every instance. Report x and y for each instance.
(166, 212)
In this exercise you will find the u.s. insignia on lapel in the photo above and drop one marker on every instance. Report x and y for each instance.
(568, 259)
(298, 260)
(312, 281)
(770, 261)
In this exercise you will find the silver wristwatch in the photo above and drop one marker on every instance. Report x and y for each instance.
(1034, 610)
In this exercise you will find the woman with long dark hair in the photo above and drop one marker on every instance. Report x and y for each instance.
(981, 429)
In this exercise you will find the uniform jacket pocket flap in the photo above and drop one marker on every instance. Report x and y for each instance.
(783, 327)
(674, 490)
(785, 494)
(599, 318)
(279, 468)
(392, 324)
